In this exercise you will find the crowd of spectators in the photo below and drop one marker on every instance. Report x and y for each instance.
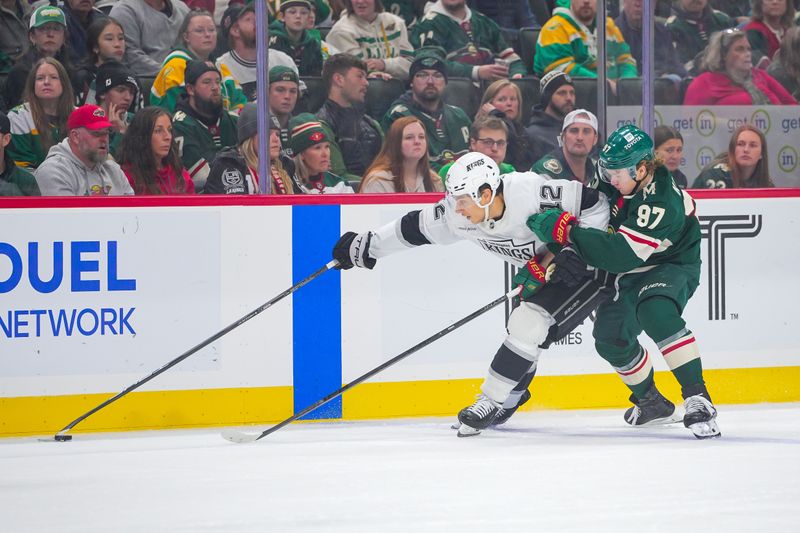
(157, 96)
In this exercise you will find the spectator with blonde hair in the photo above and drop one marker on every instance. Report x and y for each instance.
(729, 77)
(744, 165)
(312, 157)
(41, 122)
(503, 99)
(402, 164)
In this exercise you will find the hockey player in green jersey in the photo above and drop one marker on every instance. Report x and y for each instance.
(653, 244)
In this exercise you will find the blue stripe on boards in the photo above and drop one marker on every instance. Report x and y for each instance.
(317, 310)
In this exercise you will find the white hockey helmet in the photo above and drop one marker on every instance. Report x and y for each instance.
(471, 172)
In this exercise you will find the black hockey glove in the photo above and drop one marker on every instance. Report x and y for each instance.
(567, 268)
(352, 249)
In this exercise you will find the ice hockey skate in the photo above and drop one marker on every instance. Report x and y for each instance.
(504, 414)
(653, 409)
(701, 416)
(477, 416)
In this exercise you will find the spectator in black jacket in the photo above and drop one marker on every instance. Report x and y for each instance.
(358, 136)
(80, 14)
(557, 100)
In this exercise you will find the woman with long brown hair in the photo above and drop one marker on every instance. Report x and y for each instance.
(41, 121)
(402, 164)
(744, 165)
(149, 158)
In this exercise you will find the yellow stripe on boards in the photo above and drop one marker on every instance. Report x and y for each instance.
(146, 410)
(589, 391)
(43, 415)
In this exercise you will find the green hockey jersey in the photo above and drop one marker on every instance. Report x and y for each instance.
(474, 41)
(568, 45)
(198, 143)
(447, 129)
(26, 144)
(306, 53)
(656, 225)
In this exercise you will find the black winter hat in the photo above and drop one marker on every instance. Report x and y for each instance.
(113, 73)
(196, 68)
(550, 83)
(429, 57)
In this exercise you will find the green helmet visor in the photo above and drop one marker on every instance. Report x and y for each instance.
(606, 174)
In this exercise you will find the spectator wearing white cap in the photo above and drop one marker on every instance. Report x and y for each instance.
(572, 159)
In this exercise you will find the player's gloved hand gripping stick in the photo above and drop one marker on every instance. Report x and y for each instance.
(62, 436)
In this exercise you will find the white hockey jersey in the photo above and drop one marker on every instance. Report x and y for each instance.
(509, 238)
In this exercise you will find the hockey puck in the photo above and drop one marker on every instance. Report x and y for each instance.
(63, 438)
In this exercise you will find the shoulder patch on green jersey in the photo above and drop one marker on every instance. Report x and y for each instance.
(179, 116)
(400, 108)
(553, 166)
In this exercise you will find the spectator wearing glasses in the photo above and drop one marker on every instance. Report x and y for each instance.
(572, 160)
(402, 165)
(41, 122)
(198, 35)
(290, 35)
(446, 126)
(47, 34)
(79, 165)
(151, 30)
(489, 136)
(729, 77)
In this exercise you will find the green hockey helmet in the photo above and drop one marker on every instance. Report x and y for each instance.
(625, 149)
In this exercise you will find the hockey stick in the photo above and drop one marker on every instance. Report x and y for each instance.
(240, 437)
(61, 435)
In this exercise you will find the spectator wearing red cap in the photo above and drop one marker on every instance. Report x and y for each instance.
(79, 165)
(41, 121)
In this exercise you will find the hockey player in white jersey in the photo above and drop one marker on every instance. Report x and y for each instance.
(491, 211)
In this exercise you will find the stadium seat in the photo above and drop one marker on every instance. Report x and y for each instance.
(527, 45)
(462, 92)
(145, 84)
(314, 96)
(380, 95)
(586, 94)
(540, 10)
(629, 92)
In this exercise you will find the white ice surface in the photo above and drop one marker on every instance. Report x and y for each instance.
(543, 471)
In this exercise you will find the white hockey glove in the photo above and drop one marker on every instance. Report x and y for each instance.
(352, 249)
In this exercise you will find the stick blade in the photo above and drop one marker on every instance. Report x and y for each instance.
(239, 437)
